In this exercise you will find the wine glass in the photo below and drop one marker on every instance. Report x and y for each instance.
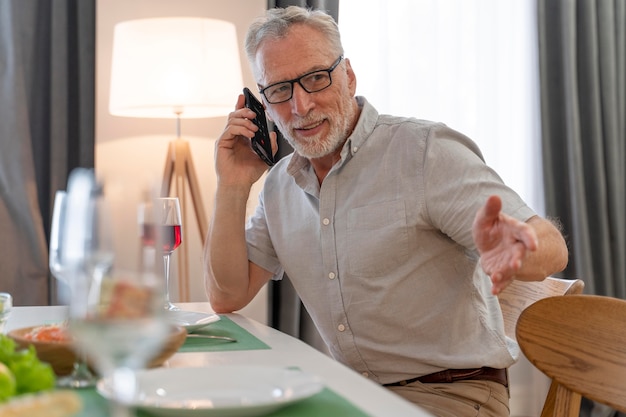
(162, 215)
(54, 252)
(81, 376)
(115, 313)
(6, 305)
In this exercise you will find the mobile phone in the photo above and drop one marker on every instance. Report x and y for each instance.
(261, 141)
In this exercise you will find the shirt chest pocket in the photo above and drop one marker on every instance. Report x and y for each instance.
(377, 238)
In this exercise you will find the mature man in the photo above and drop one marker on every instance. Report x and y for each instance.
(394, 232)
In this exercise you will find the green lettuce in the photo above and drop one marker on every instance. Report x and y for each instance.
(7, 348)
(31, 374)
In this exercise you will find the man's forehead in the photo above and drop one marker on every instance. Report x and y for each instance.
(303, 50)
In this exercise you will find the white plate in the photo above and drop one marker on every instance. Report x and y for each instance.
(224, 391)
(191, 320)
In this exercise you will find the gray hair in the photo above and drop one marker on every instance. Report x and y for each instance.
(276, 23)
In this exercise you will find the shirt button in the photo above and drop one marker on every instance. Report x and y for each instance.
(356, 148)
(326, 222)
(365, 374)
(331, 275)
(341, 327)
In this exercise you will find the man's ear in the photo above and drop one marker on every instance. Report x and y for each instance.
(351, 77)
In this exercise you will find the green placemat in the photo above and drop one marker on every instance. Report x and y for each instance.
(326, 403)
(224, 327)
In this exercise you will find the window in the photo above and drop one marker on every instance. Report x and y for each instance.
(470, 64)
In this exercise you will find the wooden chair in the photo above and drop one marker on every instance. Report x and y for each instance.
(519, 295)
(579, 341)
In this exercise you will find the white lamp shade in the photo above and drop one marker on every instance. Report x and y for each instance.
(165, 67)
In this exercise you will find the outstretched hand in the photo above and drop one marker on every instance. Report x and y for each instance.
(502, 243)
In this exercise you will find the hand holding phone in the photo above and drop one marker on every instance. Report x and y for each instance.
(261, 141)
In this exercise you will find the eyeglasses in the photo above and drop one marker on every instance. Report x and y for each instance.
(311, 82)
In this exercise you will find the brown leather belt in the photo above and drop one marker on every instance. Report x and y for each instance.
(453, 375)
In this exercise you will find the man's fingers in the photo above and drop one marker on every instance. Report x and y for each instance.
(488, 213)
(493, 206)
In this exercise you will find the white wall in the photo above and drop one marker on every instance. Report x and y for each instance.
(130, 152)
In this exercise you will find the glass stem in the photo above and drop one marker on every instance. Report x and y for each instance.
(81, 376)
(124, 391)
(166, 266)
(81, 368)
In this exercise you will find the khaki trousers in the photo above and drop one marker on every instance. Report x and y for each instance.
(458, 399)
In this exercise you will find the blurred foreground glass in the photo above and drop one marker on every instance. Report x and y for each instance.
(6, 305)
(116, 315)
(122, 330)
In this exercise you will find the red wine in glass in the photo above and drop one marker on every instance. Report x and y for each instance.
(171, 236)
(160, 225)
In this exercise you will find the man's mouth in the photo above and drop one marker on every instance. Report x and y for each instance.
(310, 127)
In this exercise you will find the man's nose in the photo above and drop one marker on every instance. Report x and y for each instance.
(301, 101)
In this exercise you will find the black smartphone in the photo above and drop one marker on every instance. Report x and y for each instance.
(261, 141)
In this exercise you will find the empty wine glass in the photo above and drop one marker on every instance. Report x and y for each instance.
(81, 376)
(54, 252)
(162, 215)
(6, 305)
(115, 314)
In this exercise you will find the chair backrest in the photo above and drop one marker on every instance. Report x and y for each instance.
(520, 294)
(579, 341)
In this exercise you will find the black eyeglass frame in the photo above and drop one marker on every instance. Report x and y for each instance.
(297, 80)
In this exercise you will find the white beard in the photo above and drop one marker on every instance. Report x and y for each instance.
(320, 146)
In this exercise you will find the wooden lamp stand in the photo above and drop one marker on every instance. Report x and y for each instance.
(180, 170)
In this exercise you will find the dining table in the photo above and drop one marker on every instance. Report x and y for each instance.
(345, 393)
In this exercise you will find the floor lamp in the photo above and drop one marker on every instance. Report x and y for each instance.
(179, 67)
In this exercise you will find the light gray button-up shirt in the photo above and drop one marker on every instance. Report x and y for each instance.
(381, 253)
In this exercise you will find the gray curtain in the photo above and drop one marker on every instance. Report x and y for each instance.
(47, 68)
(286, 312)
(583, 108)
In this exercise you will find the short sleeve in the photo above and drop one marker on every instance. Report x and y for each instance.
(458, 182)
